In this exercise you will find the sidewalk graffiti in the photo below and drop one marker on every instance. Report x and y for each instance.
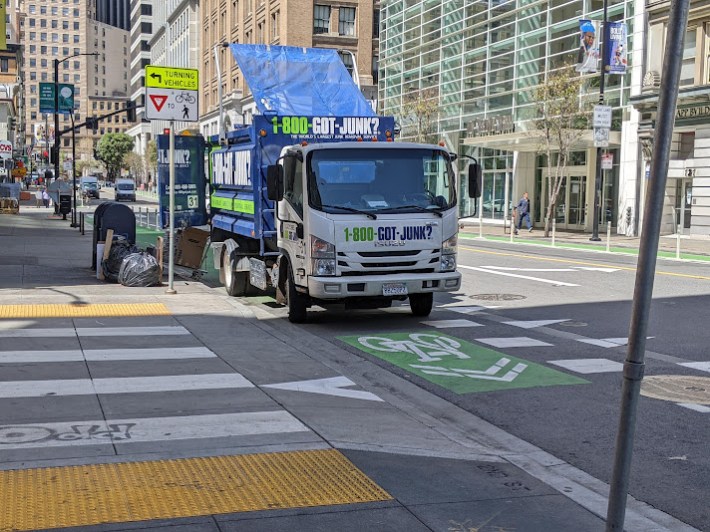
(458, 365)
(19, 434)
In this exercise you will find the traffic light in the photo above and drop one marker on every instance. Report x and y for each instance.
(92, 123)
(54, 155)
(131, 111)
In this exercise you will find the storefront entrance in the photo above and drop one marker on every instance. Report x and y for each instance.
(683, 202)
(571, 208)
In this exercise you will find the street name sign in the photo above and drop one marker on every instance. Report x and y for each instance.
(171, 104)
(172, 78)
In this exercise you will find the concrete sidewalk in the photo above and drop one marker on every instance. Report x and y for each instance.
(439, 467)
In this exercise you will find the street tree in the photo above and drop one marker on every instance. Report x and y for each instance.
(135, 164)
(418, 114)
(151, 159)
(562, 118)
(111, 150)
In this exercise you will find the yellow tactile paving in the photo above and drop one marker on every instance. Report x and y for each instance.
(83, 311)
(165, 489)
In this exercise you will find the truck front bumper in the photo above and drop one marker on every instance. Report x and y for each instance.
(372, 285)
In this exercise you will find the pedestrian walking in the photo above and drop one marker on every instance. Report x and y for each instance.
(45, 198)
(38, 197)
(523, 213)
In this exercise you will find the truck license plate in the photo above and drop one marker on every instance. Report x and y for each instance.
(394, 289)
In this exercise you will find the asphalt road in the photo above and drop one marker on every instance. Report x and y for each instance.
(556, 321)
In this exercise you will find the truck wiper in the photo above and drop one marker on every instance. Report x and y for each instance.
(436, 210)
(350, 209)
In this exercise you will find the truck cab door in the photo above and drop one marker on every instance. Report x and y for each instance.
(291, 216)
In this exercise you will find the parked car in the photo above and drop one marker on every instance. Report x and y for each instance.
(125, 190)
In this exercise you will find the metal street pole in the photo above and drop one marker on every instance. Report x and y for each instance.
(73, 169)
(220, 119)
(598, 169)
(56, 118)
(643, 289)
(171, 236)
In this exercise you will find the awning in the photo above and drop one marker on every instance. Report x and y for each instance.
(530, 141)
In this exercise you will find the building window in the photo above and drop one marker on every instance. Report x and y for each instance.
(376, 24)
(687, 69)
(321, 19)
(347, 59)
(686, 146)
(275, 25)
(346, 21)
(4, 65)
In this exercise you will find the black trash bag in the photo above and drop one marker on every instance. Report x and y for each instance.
(139, 269)
(120, 248)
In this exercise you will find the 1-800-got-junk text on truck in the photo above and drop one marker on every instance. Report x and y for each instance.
(327, 209)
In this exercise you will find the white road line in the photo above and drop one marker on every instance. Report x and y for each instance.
(65, 332)
(589, 365)
(518, 341)
(132, 331)
(510, 269)
(548, 281)
(447, 324)
(161, 353)
(63, 387)
(28, 357)
(99, 355)
(702, 366)
(533, 324)
(38, 333)
(698, 408)
(141, 430)
(329, 386)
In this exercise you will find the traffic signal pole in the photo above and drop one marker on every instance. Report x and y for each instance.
(56, 120)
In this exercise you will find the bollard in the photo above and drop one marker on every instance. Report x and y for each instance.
(512, 231)
(480, 227)
(677, 245)
(608, 237)
(554, 228)
(81, 222)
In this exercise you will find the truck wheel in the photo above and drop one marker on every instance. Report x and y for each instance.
(297, 305)
(236, 283)
(421, 304)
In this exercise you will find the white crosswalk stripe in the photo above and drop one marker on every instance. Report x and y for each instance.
(131, 346)
(97, 432)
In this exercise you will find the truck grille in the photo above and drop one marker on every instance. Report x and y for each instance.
(388, 262)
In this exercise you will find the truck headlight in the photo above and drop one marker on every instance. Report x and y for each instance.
(448, 255)
(322, 257)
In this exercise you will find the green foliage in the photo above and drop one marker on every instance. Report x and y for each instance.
(418, 115)
(151, 158)
(135, 164)
(111, 150)
(562, 118)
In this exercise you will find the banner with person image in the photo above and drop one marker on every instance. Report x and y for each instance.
(588, 52)
(615, 49)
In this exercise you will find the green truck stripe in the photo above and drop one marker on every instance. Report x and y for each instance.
(229, 204)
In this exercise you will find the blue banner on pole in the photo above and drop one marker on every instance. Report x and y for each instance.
(615, 49)
(190, 181)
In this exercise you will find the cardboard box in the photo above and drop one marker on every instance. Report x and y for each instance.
(191, 247)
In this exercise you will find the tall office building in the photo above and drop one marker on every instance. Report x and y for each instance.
(68, 33)
(114, 13)
(350, 27)
(141, 35)
(480, 62)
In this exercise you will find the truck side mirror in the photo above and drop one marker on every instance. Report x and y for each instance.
(474, 180)
(275, 182)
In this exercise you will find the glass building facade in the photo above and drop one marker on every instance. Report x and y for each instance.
(481, 61)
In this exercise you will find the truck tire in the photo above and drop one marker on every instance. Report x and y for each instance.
(235, 283)
(297, 303)
(421, 304)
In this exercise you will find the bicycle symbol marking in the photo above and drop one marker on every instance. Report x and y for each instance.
(433, 348)
(185, 97)
(428, 347)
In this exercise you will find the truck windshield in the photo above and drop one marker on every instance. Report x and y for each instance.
(380, 180)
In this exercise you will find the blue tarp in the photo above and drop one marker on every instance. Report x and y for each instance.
(295, 81)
